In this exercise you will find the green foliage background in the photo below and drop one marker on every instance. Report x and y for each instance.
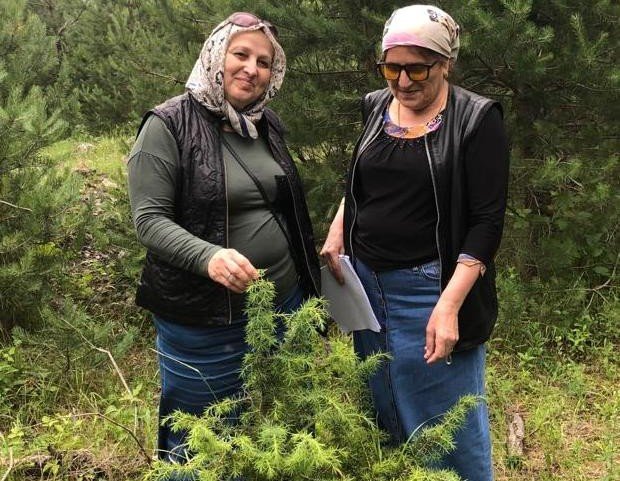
(80, 69)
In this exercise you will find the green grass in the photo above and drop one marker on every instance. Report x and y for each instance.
(106, 155)
(571, 412)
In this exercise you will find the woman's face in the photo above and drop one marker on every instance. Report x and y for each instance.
(417, 95)
(247, 68)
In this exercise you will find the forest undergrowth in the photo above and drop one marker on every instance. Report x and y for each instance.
(78, 374)
(78, 391)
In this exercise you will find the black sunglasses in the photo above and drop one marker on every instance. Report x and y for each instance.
(416, 72)
(245, 19)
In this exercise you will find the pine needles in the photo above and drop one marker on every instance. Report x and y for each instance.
(304, 413)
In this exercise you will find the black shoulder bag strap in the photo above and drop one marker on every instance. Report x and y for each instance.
(261, 189)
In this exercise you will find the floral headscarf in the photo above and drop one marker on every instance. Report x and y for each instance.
(422, 26)
(206, 82)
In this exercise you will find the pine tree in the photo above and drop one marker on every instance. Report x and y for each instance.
(121, 58)
(553, 65)
(304, 411)
(34, 202)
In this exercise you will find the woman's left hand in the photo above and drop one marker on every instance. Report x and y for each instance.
(442, 332)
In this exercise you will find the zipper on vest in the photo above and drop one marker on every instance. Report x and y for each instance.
(226, 234)
(301, 236)
(434, 181)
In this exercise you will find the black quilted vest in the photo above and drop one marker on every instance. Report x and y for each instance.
(181, 296)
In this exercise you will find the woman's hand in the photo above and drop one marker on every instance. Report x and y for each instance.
(231, 269)
(442, 332)
(334, 245)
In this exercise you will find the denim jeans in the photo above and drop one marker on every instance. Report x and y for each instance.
(409, 394)
(199, 366)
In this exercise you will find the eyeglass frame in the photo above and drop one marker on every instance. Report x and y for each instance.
(404, 67)
(231, 19)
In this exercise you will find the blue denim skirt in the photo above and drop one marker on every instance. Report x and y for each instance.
(408, 394)
(199, 366)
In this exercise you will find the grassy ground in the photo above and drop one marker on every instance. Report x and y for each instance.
(87, 408)
(570, 411)
(107, 155)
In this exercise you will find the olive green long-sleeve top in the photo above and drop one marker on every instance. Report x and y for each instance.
(253, 231)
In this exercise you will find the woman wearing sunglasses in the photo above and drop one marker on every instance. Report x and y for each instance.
(422, 220)
(215, 196)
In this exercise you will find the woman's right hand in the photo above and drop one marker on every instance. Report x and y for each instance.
(231, 269)
(334, 245)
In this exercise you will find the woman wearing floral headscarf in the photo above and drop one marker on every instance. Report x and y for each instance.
(422, 220)
(215, 196)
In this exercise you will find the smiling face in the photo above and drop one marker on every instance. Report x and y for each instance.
(247, 68)
(420, 96)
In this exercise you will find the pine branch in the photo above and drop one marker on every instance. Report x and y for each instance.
(327, 72)
(70, 23)
(61, 31)
(169, 78)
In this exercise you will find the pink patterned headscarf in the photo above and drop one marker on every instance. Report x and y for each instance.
(206, 82)
(422, 26)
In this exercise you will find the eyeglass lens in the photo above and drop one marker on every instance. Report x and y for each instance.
(415, 71)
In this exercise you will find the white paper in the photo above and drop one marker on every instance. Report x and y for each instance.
(348, 303)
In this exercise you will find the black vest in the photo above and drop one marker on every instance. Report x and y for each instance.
(462, 116)
(181, 296)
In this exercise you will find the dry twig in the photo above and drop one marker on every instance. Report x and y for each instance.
(16, 207)
(116, 368)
